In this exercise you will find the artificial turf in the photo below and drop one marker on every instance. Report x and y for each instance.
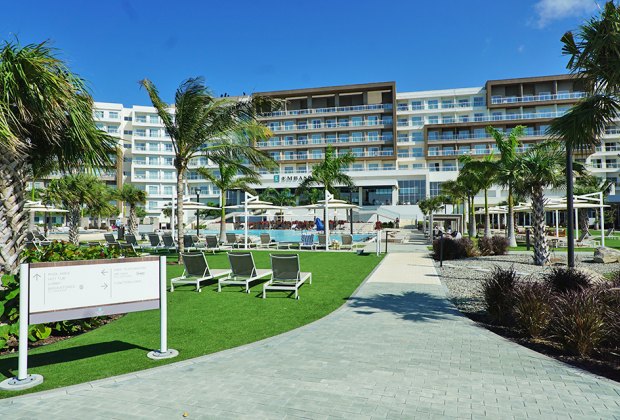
(198, 323)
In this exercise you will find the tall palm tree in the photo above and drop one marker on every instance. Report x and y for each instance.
(132, 197)
(101, 207)
(74, 193)
(454, 190)
(230, 176)
(541, 167)
(329, 174)
(204, 125)
(428, 207)
(471, 184)
(484, 172)
(594, 59)
(46, 116)
(282, 197)
(507, 169)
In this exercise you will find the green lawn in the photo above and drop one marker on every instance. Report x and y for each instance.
(198, 323)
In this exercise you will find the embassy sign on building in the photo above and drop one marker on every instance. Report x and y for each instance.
(288, 178)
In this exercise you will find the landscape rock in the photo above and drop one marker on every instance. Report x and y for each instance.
(606, 255)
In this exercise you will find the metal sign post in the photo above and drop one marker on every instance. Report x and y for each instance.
(60, 291)
(328, 197)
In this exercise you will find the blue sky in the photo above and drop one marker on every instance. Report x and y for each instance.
(249, 46)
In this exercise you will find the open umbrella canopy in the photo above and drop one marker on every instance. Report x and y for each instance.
(37, 206)
(331, 205)
(192, 205)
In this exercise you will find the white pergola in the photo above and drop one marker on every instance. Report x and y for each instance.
(38, 207)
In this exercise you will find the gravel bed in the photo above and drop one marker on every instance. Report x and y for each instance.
(463, 278)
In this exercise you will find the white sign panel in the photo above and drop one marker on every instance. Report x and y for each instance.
(79, 289)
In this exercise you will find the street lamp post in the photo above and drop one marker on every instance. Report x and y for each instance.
(197, 213)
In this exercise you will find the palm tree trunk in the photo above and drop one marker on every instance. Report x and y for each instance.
(583, 221)
(541, 250)
(13, 217)
(223, 217)
(510, 223)
(487, 217)
(180, 229)
(133, 220)
(472, 222)
(74, 225)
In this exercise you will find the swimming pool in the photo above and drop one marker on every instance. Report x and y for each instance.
(284, 235)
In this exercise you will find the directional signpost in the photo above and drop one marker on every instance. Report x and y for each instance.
(59, 291)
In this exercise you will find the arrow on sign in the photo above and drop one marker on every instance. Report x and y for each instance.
(105, 286)
(37, 276)
(104, 272)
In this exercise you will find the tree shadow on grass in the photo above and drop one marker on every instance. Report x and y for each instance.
(8, 365)
(410, 306)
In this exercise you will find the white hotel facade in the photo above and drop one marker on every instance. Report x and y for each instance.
(406, 143)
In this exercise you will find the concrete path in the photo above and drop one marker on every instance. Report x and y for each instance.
(398, 349)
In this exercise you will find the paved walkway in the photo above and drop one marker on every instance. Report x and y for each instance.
(397, 350)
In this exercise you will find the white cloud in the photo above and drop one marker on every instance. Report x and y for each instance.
(550, 10)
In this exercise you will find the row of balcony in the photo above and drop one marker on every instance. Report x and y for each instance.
(453, 105)
(324, 125)
(474, 152)
(319, 156)
(496, 100)
(329, 110)
(323, 141)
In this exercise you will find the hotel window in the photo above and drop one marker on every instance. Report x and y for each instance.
(153, 132)
(448, 119)
(153, 160)
(357, 151)
(496, 116)
(434, 188)
(153, 147)
(401, 167)
(357, 137)
(416, 121)
(447, 103)
(113, 115)
(372, 120)
(141, 118)
(316, 139)
(100, 126)
(168, 175)
(433, 135)
(463, 103)
(316, 123)
(403, 137)
(167, 147)
(331, 123)
(463, 134)
(611, 163)
(373, 166)
(127, 118)
(152, 205)
(388, 167)
(331, 138)
(449, 166)
(98, 114)
(417, 152)
(274, 126)
(289, 125)
(545, 96)
(448, 151)
(480, 149)
(167, 189)
(113, 129)
(402, 122)
(411, 191)
(357, 121)
(373, 136)
(289, 140)
(479, 133)
(463, 118)
(140, 132)
(416, 105)
(417, 136)
(478, 116)
(153, 119)
(343, 138)
(316, 154)
(433, 151)
(357, 167)
(343, 122)
(289, 169)
(302, 125)
(433, 119)
(478, 101)
(596, 163)
(402, 152)
(447, 135)
(153, 189)
(127, 132)
(403, 107)
(432, 104)
(464, 150)
(167, 160)
(302, 140)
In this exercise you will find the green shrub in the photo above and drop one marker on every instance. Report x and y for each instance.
(579, 321)
(454, 249)
(498, 291)
(494, 245)
(609, 293)
(563, 280)
(532, 308)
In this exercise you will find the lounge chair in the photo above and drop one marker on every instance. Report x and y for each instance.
(347, 241)
(127, 250)
(213, 245)
(93, 243)
(307, 241)
(322, 242)
(196, 270)
(130, 238)
(169, 243)
(585, 242)
(109, 239)
(155, 241)
(192, 242)
(610, 234)
(266, 242)
(232, 240)
(286, 274)
(243, 272)
(31, 246)
(38, 238)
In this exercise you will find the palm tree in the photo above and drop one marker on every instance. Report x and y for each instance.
(46, 119)
(484, 172)
(541, 167)
(101, 207)
(507, 169)
(230, 176)
(328, 174)
(204, 125)
(132, 197)
(454, 190)
(428, 207)
(594, 54)
(282, 197)
(74, 192)
(470, 184)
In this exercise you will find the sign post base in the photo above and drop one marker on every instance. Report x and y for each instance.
(14, 384)
(158, 355)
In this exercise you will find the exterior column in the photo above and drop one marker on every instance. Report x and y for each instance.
(394, 195)
(360, 192)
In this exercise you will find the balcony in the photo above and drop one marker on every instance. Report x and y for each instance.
(318, 111)
(324, 141)
(498, 100)
(330, 125)
(471, 136)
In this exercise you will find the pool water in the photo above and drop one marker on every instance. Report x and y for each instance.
(284, 235)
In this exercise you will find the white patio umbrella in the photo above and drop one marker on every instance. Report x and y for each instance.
(329, 203)
(252, 202)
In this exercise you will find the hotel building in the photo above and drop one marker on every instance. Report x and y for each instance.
(406, 144)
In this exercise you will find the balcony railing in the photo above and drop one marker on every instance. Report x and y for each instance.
(475, 152)
(316, 156)
(516, 117)
(324, 125)
(536, 98)
(322, 141)
(472, 136)
(311, 111)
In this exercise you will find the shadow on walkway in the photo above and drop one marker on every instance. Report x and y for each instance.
(411, 306)
(67, 355)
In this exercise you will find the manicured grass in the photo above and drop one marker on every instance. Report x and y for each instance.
(198, 323)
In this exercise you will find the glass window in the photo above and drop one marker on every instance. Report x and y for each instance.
(357, 121)
(331, 138)
(433, 119)
(478, 101)
(417, 136)
(447, 103)
(402, 122)
(113, 129)
(479, 133)
(416, 105)
(432, 104)
(373, 136)
(463, 103)
(433, 135)
(316, 123)
(448, 119)
(416, 121)
(168, 147)
(357, 136)
(463, 118)
(343, 138)
(140, 132)
(435, 188)
(316, 139)
(372, 120)
(289, 125)
(153, 119)
(316, 154)
(113, 115)
(411, 191)
(98, 114)
(153, 189)
(141, 118)
(417, 152)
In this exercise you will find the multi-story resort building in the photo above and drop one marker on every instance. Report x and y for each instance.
(406, 144)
